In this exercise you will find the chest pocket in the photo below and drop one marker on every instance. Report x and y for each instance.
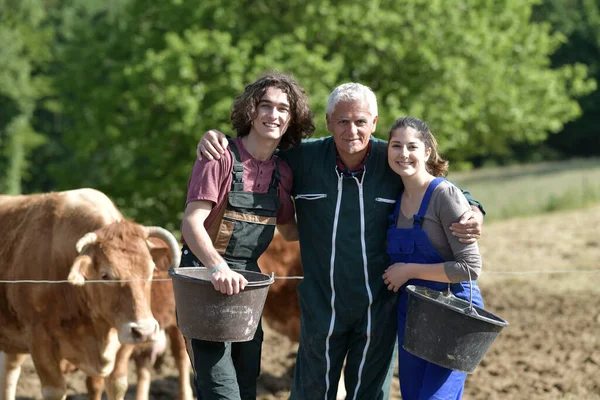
(254, 203)
(248, 226)
(384, 200)
(310, 196)
(401, 246)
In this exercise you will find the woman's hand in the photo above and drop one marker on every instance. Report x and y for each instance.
(397, 275)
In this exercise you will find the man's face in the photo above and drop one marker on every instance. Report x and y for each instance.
(273, 114)
(351, 124)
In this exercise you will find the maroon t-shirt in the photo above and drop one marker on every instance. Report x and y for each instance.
(211, 181)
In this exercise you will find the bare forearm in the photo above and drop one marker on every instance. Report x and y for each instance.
(198, 240)
(400, 273)
(428, 272)
(224, 279)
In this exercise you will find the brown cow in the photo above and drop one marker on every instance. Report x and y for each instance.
(144, 355)
(282, 310)
(73, 237)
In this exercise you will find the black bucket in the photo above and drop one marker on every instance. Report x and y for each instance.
(448, 331)
(207, 314)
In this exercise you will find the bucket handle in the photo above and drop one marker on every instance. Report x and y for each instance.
(469, 310)
(172, 272)
(262, 283)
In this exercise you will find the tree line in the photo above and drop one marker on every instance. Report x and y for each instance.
(115, 94)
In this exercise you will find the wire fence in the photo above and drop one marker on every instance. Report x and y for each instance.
(299, 277)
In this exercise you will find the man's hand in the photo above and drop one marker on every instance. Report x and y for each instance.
(469, 227)
(227, 281)
(212, 145)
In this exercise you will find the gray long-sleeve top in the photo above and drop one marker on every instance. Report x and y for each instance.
(446, 206)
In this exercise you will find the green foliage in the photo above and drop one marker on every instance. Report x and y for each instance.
(137, 85)
(579, 22)
(141, 92)
(23, 56)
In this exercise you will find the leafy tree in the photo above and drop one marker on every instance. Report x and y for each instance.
(23, 57)
(142, 91)
(59, 18)
(139, 90)
(579, 22)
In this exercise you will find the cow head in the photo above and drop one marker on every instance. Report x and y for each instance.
(114, 268)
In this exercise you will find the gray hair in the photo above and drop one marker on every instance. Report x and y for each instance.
(352, 91)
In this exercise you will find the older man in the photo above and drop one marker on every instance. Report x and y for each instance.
(344, 192)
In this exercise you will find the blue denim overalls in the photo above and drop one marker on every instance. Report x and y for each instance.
(420, 379)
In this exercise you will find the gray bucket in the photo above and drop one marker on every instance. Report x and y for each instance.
(448, 331)
(207, 314)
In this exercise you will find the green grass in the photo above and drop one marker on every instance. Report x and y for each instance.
(525, 190)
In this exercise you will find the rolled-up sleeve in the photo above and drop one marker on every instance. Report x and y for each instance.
(207, 179)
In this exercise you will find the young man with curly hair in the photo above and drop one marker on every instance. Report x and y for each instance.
(233, 205)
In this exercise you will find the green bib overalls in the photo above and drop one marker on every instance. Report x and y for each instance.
(225, 370)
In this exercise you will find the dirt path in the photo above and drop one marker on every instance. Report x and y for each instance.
(551, 350)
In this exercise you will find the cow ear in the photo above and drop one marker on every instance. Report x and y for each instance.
(79, 269)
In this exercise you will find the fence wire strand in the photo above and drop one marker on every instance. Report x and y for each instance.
(299, 277)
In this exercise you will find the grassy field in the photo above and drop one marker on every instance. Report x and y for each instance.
(533, 189)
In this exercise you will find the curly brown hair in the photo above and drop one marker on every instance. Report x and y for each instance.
(244, 108)
(435, 165)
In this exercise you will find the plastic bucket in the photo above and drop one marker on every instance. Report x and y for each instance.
(207, 314)
(448, 331)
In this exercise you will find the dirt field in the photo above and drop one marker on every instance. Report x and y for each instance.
(551, 350)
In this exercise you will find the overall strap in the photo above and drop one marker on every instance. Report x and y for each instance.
(275, 178)
(393, 217)
(237, 183)
(418, 218)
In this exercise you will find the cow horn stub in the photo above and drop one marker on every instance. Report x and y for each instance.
(162, 233)
(86, 240)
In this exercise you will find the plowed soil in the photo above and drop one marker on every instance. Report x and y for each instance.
(536, 276)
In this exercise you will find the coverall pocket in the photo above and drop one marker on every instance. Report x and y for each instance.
(310, 196)
(249, 250)
(401, 246)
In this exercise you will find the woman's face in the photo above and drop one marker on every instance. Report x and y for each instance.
(407, 154)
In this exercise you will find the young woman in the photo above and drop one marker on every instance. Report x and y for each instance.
(423, 251)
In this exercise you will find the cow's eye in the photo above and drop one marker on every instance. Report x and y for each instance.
(105, 276)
